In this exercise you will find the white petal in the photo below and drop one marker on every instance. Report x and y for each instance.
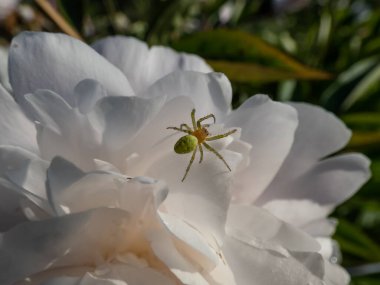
(105, 166)
(251, 224)
(253, 266)
(87, 279)
(129, 55)
(327, 247)
(335, 179)
(142, 65)
(244, 148)
(15, 128)
(324, 227)
(10, 210)
(4, 77)
(49, 109)
(165, 60)
(200, 250)
(336, 275)
(87, 93)
(36, 246)
(120, 119)
(62, 130)
(297, 212)
(71, 190)
(152, 141)
(183, 269)
(24, 169)
(269, 127)
(328, 181)
(134, 276)
(58, 63)
(203, 198)
(211, 93)
(191, 257)
(319, 133)
(115, 274)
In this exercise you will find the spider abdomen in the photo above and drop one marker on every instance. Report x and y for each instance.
(186, 144)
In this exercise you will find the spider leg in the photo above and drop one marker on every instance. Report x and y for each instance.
(201, 151)
(193, 119)
(185, 126)
(205, 118)
(178, 129)
(190, 163)
(217, 154)
(213, 138)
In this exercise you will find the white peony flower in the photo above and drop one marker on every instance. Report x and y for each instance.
(91, 189)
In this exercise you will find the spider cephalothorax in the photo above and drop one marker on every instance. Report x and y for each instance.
(195, 138)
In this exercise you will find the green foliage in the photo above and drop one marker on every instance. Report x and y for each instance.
(244, 57)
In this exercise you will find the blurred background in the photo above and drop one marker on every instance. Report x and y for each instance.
(325, 52)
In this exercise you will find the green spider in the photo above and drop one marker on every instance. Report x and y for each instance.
(197, 137)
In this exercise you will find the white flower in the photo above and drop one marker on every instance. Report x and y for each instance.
(91, 171)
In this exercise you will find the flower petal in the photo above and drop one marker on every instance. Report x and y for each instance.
(4, 77)
(87, 93)
(37, 246)
(121, 118)
(135, 276)
(324, 227)
(187, 255)
(252, 224)
(129, 55)
(25, 170)
(71, 190)
(114, 274)
(62, 62)
(211, 93)
(252, 265)
(269, 127)
(336, 275)
(164, 248)
(319, 133)
(10, 209)
(15, 128)
(202, 252)
(143, 66)
(87, 279)
(152, 141)
(297, 212)
(62, 130)
(203, 198)
(328, 181)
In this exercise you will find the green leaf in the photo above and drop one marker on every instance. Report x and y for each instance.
(340, 91)
(365, 140)
(370, 82)
(255, 73)
(245, 57)
(359, 119)
(354, 241)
